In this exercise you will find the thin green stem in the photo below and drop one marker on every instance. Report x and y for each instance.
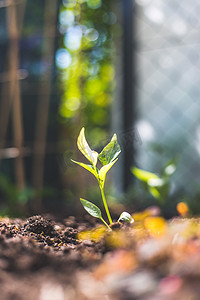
(105, 223)
(105, 204)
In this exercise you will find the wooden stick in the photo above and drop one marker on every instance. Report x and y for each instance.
(11, 91)
(18, 138)
(15, 94)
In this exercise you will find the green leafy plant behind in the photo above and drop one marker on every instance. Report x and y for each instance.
(158, 186)
(108, 158)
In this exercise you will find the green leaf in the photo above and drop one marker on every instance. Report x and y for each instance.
(154, 192)
(125, 216)
(169, 168)
(90, 168)
(159, 191)
(144, 175)
(110, 151)
(83, 146)
(103, 171)
(156, 182)
(91, 208)
(155, 186)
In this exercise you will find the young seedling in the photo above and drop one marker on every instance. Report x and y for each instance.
(108, 158)
(125, 217)
(158, 186)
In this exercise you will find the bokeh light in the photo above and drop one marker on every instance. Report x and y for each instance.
(73, 38)
(66, 17)
(94, 4)
(63, 59)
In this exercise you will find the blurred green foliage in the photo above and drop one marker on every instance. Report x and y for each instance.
(158, 186)
(13, 199)
(85, 63)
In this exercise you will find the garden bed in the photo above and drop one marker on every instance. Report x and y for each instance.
(43, 259)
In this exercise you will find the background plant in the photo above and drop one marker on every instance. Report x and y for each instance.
(157, 185)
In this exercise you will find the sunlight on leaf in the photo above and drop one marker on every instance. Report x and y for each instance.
(85, 148)
(156, 182)
(90, 168)
(110, 151)
(103, 171)
(143, 175)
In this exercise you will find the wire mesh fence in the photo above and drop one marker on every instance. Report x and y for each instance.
(168, 72)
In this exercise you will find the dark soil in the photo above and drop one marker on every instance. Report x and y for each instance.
(43, 259)
(40, 258)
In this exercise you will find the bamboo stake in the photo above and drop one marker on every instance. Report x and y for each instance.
(15, 96)
(18, 138)
(7, 99)
(44, 98)
(11, 92)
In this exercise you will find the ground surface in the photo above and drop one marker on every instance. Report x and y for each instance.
(45, 259)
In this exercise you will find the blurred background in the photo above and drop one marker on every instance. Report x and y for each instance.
(130, 67)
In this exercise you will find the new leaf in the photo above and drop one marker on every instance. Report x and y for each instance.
(83, 146)
(103, 171)
(110, 151)
(90, 168)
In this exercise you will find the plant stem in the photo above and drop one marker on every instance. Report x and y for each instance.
(106, 224)
(105, 204)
